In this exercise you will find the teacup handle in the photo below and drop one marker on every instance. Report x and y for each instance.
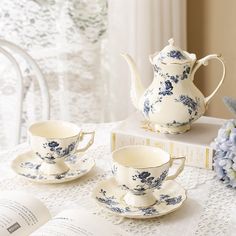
(180, 168)
(204, 61)
(81, 137)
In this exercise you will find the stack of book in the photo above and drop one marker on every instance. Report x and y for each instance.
(194, 144)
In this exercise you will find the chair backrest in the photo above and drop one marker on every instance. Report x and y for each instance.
(4, 45)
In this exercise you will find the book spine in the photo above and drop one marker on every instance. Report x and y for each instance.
(197, 156)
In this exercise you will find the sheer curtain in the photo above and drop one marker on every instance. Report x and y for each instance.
(139, 28)
(77, 44)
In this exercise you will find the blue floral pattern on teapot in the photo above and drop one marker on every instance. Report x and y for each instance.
(172, 101)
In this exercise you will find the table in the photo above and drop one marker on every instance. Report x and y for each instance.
(209, 210)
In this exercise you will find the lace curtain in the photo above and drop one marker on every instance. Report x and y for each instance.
(67, 39)
(77, 44)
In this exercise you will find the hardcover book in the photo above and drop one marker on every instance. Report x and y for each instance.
(194, 144)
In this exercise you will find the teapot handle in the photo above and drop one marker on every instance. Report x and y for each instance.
(204, 61)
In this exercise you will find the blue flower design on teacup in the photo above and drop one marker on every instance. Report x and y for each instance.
(140, 170)
(145, 181)
(53, 141)
(55, 151)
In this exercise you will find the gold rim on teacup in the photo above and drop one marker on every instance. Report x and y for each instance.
(142, 169)
(53, 141)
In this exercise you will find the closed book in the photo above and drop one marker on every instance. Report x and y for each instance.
(194, 144)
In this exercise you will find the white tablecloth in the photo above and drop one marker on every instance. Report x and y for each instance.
(209, 210)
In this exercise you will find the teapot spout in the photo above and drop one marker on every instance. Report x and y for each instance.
(137, 88)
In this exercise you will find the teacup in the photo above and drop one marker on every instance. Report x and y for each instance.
(53, 141)
(142, 169)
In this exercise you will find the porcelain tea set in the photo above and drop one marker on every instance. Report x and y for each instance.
(141, 186)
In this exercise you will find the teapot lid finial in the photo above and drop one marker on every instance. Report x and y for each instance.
(171, 42)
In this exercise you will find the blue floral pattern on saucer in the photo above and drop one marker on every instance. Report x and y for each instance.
(169, 198)
(28, 166)
(112, 202)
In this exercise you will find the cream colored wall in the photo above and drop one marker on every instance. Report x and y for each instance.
(211, 26)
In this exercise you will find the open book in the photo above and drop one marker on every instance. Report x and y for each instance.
(22, 214)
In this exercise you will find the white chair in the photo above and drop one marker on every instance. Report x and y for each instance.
(5, 46)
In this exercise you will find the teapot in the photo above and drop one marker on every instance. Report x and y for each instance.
(172, 101)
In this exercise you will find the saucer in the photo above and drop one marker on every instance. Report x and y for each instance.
(28, 165)
(169, 198)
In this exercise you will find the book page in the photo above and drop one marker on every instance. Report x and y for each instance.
(77, 222)
(21, 213)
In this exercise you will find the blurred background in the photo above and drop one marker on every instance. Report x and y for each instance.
(210, 29)
(77, 44)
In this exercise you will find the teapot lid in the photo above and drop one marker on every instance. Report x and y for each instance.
(173, 55)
